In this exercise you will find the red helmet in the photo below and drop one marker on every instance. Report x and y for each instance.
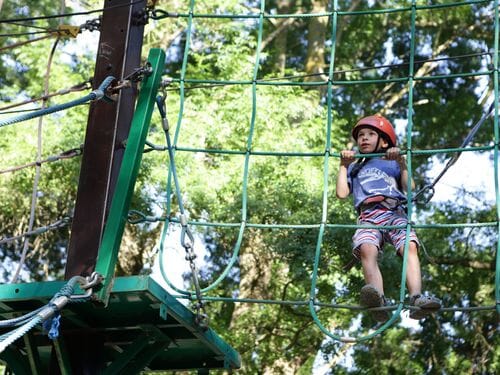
(379, 123)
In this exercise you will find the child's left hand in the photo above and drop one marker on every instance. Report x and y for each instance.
(394, 153)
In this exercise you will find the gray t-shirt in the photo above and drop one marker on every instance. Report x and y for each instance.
(376, 177)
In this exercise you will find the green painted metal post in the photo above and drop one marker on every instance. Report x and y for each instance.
(108, 250)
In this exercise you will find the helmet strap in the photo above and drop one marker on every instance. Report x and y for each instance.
(379, 148)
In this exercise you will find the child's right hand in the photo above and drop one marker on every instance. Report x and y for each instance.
(347, 157)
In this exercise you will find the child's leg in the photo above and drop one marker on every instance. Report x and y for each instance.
(371, 271)
(413, 275)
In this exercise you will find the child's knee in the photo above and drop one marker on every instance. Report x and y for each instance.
(368, 251)
(412, 249)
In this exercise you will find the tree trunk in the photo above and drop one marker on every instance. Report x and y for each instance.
(255, 274)
(281, 39)
(316, 37)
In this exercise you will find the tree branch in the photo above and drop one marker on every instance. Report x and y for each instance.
(471, 263)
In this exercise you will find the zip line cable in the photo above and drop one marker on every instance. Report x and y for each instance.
(84, 13)
(28, 26)
(61, 223)
(62, 31)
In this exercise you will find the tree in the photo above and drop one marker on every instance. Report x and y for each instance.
(281, 125)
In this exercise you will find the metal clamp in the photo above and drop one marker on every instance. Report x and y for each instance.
(87, 284)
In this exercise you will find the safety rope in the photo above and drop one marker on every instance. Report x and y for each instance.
(79, 87)
(187, 238)
(61, 223)
(95, 95)
(34, 192)
(49, 315)
(71, 153)
(427, 192)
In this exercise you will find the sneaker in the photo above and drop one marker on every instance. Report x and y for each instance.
(371, 297)
(426, 306)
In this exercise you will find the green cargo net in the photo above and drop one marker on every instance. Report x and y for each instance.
(411, 78)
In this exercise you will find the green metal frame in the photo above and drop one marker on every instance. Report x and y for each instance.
(143, 326)
(137, 335)
(113, 232)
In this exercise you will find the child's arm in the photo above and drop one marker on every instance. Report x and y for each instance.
(346, 158)
(394, 153)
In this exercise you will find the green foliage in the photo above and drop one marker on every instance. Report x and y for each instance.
(277, 263)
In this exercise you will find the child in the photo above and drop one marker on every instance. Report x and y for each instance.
(379, 187)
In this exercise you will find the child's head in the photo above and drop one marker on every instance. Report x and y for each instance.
(374, 133)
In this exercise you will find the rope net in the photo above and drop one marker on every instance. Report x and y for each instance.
(296, 151)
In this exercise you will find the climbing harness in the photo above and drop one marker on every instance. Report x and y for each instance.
(186, 239)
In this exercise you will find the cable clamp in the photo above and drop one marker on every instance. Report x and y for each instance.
(139, 73)
(67, 31)
(55, 305)
(183, 220)
(140, 18)
(92, 25)
(158, 14)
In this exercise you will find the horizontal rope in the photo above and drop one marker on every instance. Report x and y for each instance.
(158, 14)
(137, 217)
(333, 305)
(97, 94)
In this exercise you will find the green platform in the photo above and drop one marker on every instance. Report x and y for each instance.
(133, 323)
(143, 326)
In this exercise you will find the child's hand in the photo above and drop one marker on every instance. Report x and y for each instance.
(394, 153)
(347, 157)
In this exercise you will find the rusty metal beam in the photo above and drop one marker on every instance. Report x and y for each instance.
(118, 55)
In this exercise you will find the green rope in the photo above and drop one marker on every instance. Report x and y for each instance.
(97, 94)
(164, 235)
(410, 80)
(351, 82)
(158, 14)
(497, 141)
(169, 180)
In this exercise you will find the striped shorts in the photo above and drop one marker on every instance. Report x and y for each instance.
(381, 216)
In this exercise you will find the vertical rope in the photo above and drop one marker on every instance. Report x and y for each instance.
(495, 153)
(180, 115)
(324, 212)
(246, 164)
(408, 153)
(38, 166)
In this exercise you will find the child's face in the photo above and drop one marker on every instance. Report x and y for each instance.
(369, 141)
